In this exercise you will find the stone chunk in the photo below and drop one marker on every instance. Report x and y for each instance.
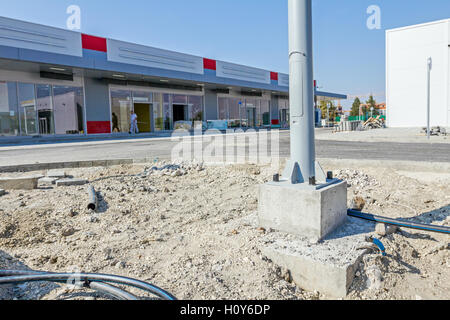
(358, 203)
(20, 183)
(56, 174)
(384, 230)
(70, 182)
(2, 192)
(47, 181)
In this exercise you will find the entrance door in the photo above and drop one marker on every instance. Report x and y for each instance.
(251, 117)
(179, 112)
(143, 112)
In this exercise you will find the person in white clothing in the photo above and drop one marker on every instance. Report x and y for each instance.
(133, 126)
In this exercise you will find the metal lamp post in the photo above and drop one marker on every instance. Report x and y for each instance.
(429, 67)
(301, 167)
(306, 201)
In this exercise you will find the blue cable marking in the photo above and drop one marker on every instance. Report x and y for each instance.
(380, 246)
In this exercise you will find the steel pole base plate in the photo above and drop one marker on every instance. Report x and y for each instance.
(293, 174)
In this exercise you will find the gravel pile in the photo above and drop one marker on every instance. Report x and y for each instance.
(356, 178)
(174, 169)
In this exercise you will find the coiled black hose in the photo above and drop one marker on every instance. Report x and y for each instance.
(92, 281)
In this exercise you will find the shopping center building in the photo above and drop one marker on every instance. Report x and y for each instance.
(59, 82)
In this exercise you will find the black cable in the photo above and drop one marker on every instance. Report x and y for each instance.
(15, 276)
(399, 223)
(111, 291)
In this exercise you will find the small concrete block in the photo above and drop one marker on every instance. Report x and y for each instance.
(20, 183)
(328, 266)
(47, 181)
(302, 210)
(55, 173)
(384, 230)
(70, 182)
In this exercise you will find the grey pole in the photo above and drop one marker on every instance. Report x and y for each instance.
(301, 167)
(429, 67)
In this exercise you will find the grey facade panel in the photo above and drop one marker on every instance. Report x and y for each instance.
(211, 105)
(274, 108)
(97, 100)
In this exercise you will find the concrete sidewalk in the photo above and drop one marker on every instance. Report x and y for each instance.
(398, 135)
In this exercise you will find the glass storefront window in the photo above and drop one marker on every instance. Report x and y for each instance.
(121, 109)
(158, 115)
(27, 109)
(223, 109)
(250, 113)
(142, 97)
(265, 113)
(68, 110)
(167, 111)
(195, 104)
(44, 109)
(283, 107)
(234, 106)
(9, 120)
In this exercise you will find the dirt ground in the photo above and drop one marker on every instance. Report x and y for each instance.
(192, 231)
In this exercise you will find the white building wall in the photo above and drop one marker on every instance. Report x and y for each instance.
(407, 51)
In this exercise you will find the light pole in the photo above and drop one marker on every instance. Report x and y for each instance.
(429, 67)
(301, 167)
(306, 201)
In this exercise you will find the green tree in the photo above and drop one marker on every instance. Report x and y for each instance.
(371, 103)
(355, 107)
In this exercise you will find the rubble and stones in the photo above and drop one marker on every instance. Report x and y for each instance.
(196, 234)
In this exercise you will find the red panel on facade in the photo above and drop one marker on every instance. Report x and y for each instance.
(94, 43)
(98, 127)
(274, 76)
(275, 122)
(209, 64)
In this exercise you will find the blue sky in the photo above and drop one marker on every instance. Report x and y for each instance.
(348, 57)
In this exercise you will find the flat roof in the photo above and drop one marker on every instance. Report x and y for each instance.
(417, 25)
(36, 43)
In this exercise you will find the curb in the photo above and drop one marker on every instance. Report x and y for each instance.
(72, 165)
(396, 165)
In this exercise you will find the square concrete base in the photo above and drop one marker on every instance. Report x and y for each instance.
(302, 210)
(329, 266)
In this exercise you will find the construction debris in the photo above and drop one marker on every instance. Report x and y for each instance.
(374, 123)
(70, 182)
(358, 203)
(344, 126)
(93, 201)
(20, 183)
(384, 230)
(46, 181)
(56, 174)
(436, 131)
(199, 237)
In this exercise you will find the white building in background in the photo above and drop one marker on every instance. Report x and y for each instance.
(407, 52)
